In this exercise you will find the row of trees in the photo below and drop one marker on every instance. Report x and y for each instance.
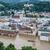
(12, 47)
(9, 47)
(38, 7)
(28, 48)
(42, 6)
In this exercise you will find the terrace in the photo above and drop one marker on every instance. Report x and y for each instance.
(9, 33)
(45, 30)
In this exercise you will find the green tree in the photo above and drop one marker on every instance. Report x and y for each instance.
(10, 47)
(1, 46)
(28, 48)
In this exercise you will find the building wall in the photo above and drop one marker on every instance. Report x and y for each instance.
(49, 37)
(39, 32)
(8, 33)
(44, 38)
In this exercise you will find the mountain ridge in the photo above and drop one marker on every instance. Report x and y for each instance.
(13, 1)
(18, 1)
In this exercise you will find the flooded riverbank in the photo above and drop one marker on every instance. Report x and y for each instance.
(21, 40)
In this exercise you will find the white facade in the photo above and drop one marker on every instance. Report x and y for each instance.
(44, 38)
(39, 32)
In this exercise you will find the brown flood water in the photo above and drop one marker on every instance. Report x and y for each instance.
(22, 40)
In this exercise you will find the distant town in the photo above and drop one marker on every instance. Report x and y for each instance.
(25, 26)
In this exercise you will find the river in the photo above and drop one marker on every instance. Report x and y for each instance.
(22, 40)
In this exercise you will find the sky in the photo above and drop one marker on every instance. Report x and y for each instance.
(16, 1)
(45, 0)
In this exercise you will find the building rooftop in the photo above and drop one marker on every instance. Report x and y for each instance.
(45, 29)
(45, 34)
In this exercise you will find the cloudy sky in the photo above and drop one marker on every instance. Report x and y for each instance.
(9, 1)
(45, 0)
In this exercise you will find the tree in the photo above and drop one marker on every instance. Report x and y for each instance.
(28, 48)
(12, 13)
(10, 47)
(1, 46)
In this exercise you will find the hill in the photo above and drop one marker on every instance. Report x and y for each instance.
(38, 6)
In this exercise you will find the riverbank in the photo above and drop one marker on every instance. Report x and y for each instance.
(21, 40)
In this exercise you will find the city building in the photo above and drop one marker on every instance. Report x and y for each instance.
(44, 33)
